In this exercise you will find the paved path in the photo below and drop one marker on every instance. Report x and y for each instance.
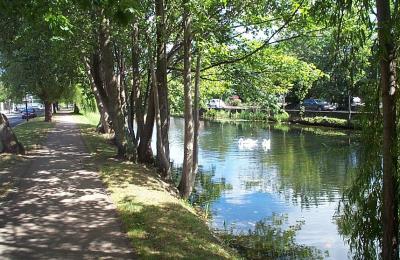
(61, 210)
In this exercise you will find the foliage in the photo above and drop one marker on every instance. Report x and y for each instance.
(34, 59)
(243, 115)
(4, 95)
(214, 114)
(359, 214)
(328, 121)
(269, 73)
(269, 240)
(281, 117)
(235, 102)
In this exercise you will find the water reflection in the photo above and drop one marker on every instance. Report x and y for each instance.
(302, 174)
(270, 239)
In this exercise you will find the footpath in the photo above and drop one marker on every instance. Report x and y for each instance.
(60, 209)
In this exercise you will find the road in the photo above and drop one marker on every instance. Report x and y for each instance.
(16, 118)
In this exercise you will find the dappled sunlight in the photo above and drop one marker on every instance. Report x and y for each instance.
(159, 223)
(60, 209)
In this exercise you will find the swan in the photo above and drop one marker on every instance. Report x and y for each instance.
(266, 144)
(247, 143)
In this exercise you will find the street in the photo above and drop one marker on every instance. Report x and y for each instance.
(16, 118)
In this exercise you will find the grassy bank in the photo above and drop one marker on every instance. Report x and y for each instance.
(327, 121)
(31, 134)
(158, 223)
(221, 115)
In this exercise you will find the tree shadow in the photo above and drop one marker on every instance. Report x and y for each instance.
(60, 209)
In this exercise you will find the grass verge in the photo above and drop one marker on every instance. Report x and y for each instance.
(31, 134)
(158, 223)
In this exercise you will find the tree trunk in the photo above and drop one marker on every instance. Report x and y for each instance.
(112, 88)
(163, 163)
(9, 141)
(145, 129)
(389, 92)
(133, 104)
(196, 118)
(76, 109)
(54, 108)
(145, 154)
(185, 187)
(104, 125)
(161, 75)
(47, 111)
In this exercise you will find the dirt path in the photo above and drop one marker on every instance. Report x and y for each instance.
(60, 210)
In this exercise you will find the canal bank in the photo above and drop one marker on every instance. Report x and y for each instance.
(158, 223)
(331, 119)
(280, 195)
(292, 187)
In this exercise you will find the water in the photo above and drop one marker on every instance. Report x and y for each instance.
(301, 176)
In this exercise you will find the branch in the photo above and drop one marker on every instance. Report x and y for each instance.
(265, 44)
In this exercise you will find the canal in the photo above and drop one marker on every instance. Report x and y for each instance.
(298, 178)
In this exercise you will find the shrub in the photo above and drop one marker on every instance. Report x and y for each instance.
(235, 102)
(282, 116)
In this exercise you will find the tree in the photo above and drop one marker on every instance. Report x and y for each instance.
(187, 179)
(9, 142)
(388, 84)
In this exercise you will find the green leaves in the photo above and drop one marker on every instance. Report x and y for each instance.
(57, 22)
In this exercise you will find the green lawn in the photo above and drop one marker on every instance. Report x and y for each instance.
(31, 134)
(159, 224)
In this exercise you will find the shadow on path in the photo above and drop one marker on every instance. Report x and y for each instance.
(60, 210)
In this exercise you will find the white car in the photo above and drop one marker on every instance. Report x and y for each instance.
(216, 103)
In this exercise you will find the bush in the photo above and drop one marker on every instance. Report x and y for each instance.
(210, 114)
(244, 115)
(235, 102)
(280, 117)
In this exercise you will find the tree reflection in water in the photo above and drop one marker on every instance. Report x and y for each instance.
(271, 240)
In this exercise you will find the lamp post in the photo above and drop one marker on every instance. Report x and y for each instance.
(26, 106)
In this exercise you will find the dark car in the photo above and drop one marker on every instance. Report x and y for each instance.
(318, 104)
(28, 113)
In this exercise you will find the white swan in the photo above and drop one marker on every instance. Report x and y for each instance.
(247, 143)
(266, 144)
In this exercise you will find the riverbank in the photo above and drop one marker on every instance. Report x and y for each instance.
(158, 223)
(284, 119)
(314, 120)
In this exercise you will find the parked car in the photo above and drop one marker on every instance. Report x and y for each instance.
(28, 113)
(216, 103)
(318, 104)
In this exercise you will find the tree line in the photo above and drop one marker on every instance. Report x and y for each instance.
(131, 55)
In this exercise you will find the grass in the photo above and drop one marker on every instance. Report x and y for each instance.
(328, 121)
(158, 223)
(31, 134)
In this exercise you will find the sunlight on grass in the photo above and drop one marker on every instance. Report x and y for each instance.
(31, 134)
(159, 224)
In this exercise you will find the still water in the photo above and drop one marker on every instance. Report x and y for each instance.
(301, 176)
